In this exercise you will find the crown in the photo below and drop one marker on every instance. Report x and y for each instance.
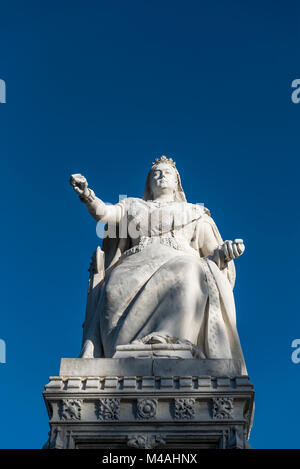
(164, 159)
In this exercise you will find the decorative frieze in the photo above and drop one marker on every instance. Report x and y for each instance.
(146, 408)
(145, 441)
(70, 409)
(119, 403)
(222, 407)
(184, 408)
(121, 383)
(107, 409)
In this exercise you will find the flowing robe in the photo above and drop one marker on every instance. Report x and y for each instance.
(162, 278)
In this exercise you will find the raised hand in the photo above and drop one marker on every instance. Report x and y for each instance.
(80, 184)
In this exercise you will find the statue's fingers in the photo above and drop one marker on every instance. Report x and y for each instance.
(225, 250)
(238, 241)
(235, 250)
(241, 248)
(230, 250)
(76, 189)
(82, 183)
(77, 179)
(82, 186)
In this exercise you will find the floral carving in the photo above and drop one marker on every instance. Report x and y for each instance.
(108, 409)
(222, 407)
(184, 408)
(146, 408)
(145, 441)
(70, 409)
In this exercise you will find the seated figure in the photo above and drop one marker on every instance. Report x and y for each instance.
(167, 276)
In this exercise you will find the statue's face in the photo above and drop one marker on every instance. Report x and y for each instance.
(163, 179)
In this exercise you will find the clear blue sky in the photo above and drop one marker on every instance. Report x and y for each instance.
(103, 88)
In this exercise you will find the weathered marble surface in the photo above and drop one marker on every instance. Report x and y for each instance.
(164, 275)
(172, 351)
(148, 403)
(161, 363)
(163, 367)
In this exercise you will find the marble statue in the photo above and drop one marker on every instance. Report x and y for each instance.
(163, 276)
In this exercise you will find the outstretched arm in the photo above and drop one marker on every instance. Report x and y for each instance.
(98, 209)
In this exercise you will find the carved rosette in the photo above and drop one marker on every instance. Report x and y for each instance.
(145, 441)
(146, 408)
(184, 408)
(107, 409)
(222, 407)
(70, 409)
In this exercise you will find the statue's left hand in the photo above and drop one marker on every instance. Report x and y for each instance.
(233, 249)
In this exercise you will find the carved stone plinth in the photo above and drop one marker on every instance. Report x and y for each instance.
(149, 403)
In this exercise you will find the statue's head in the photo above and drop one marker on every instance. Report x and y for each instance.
(163, 178)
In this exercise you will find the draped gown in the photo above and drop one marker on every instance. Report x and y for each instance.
(162, 279)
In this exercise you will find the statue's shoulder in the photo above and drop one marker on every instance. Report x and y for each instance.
(207, 215)
(207, 219)
(200, 209)
(127, 201)
(207, 212)
(131, 204)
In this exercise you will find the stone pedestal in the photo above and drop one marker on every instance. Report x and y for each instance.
(149, 403)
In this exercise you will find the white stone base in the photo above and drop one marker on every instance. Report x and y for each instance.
(149, 403)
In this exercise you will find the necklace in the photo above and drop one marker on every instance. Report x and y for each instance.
(161, 202)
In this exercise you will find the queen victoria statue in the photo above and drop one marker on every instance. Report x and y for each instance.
(163, 276)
